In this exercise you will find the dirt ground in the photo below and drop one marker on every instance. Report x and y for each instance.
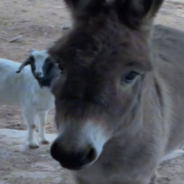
(38, 24)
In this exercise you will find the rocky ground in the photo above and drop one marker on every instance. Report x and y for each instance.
(26, 24)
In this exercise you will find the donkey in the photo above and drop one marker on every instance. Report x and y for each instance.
(120, 99)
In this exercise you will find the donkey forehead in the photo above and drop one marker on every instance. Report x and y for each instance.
(106, 50)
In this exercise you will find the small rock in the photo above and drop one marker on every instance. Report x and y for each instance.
(13, 39)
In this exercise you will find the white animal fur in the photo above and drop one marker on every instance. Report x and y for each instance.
(22, 90)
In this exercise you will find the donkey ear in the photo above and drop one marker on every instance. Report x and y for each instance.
(77, 4)
(137, 12)
(72, 3)
(82, 4)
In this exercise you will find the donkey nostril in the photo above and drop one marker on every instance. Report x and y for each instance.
(91, 155)
(72, 159)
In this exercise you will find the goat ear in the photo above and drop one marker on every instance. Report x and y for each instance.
(25, 63)
(137, 12)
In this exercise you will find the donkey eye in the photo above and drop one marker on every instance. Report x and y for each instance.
(130, 76)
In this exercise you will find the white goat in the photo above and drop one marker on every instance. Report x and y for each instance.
(29, 90)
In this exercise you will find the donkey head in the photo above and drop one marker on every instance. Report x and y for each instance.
(105, 59)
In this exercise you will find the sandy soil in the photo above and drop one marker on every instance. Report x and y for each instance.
(39, 23)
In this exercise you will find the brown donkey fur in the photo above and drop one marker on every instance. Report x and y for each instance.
(120, 95)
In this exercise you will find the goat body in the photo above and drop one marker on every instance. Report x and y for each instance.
(23, 91)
